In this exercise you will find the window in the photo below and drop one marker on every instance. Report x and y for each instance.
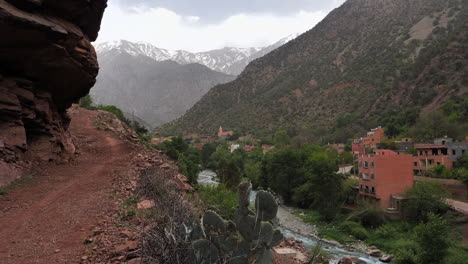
(415, 164)
(360, 188)
(372, 176)
(372, 164)
(438, 163)
(373, 190)
(463, 152)
(454, 152)
(366, 164)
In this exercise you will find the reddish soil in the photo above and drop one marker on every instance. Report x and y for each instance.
(47, 218)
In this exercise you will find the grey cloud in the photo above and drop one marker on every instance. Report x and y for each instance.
(215, 10)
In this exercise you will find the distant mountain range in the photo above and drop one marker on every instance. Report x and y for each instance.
(228, 60)
(368, 63)
(159, 85)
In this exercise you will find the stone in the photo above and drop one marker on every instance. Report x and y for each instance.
(301, 257)
(386, 258)
(358, 261)
(146, 204)
(290, 242)
(129, 246)
(374, 253)
(286, 252)
(135, 261)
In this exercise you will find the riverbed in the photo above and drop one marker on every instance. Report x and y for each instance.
(292, 226)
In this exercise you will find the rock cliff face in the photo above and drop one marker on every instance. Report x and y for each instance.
(46, 63)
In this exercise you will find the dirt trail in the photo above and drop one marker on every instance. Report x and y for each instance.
(47, 218)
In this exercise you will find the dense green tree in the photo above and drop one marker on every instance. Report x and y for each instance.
(253, 171)
(425, 198)
(281, 138)
(323, 189)
(207, 150)
(284, 171)
(229, 174)
(432, 238)
(221, 154)
(435, 125)
(174, 147)
(190, 164)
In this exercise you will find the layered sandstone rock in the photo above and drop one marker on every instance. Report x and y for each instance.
(46, 63)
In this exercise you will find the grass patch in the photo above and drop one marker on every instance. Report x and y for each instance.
(329, 231)
(391, 237)
(133, 200)
(219, 199)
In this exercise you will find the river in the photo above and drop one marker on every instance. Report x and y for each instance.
(292, 226)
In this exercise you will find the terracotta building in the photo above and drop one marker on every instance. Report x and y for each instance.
(373, 137)
(443, 152)
(224, 134)
(383, 175)
(371, 140)
(358, 147)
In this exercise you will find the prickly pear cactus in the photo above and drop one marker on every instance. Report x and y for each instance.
(249, 238)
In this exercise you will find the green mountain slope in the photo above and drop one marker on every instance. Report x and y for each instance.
(366, 61)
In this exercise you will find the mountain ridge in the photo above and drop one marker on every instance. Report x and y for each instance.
(228, 60)
(154, 91)
(364, 47)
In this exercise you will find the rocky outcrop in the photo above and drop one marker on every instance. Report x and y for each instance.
(47, 62)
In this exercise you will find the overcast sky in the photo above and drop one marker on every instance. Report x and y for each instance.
(200, 25)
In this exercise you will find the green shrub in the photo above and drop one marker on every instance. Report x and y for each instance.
(386, 231)
(373, 217)
(404, 256)
(131, 201)
(220, 199)
(407, 243)
(456, 255)
(348, 226)
(116, 111)
(369, 216)
(360, 233)
(319, 255)
(86, 102)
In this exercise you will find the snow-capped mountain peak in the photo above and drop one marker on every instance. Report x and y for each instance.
(228, 60)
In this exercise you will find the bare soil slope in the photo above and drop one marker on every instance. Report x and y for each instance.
(47, 218)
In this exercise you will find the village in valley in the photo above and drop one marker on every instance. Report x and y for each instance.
(385, 171)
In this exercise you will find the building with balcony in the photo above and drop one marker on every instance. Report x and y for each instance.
(383, 175)
(444, 151)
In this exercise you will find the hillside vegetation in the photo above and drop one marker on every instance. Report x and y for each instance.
(368, 63)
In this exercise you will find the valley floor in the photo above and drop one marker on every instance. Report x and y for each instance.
(47, 217)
